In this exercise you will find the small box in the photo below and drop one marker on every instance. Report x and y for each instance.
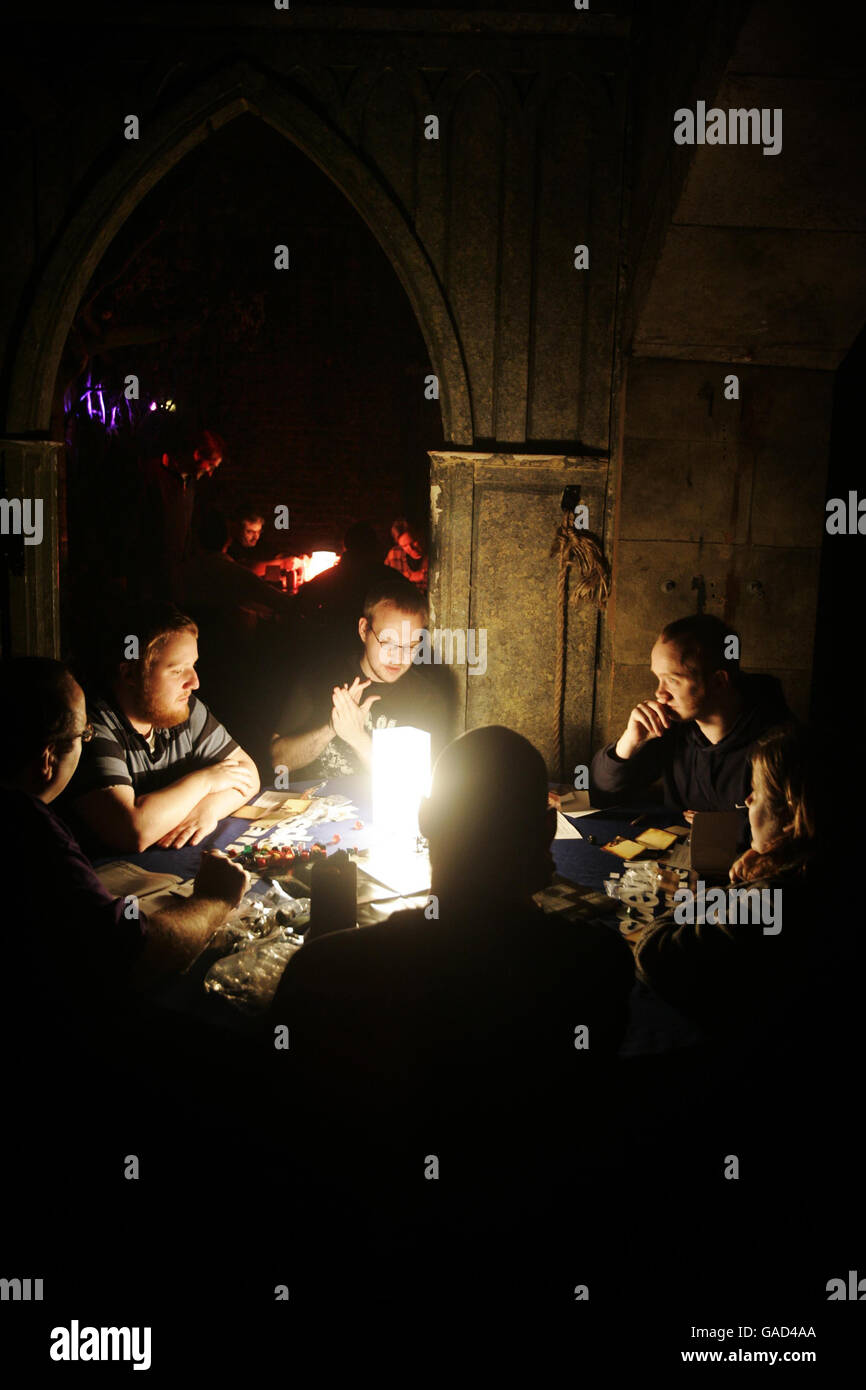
(715, 841)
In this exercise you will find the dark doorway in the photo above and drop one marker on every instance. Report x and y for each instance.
(313, 375)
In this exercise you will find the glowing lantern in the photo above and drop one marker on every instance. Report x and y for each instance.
(318, 562)
(401, 777)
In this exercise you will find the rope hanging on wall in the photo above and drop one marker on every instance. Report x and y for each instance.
(579, 551)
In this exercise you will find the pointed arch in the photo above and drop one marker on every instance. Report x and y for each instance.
(173, 134)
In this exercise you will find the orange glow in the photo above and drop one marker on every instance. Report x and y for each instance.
(318, 562)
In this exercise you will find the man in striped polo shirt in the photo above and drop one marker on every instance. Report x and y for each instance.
(160, 769)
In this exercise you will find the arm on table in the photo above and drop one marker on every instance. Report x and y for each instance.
(131, 823)
(207, 813)
(177, 934)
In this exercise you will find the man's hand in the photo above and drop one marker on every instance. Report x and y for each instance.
(349, 713)
(647, 720)
(194, 828)
(231, 775)
(356, 689)
(220, 879)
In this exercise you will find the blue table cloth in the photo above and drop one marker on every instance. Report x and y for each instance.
(653, 1027)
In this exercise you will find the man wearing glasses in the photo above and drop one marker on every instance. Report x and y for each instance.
(68, 926)
(327, 723)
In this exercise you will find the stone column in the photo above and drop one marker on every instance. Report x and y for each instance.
(29, 470)
(494, 518)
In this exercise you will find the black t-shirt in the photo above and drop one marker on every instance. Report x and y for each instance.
(416, 699)
(246, 555)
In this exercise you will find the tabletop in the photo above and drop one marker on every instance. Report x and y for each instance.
(654, 1026)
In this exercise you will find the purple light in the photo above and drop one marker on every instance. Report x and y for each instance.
(153, 405)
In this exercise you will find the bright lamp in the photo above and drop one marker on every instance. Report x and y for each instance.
(401, 777)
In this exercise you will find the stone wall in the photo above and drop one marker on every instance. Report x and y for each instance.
(722, 504)
(554, 131)
(480, 225)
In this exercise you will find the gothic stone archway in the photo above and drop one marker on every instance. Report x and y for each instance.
(91, 229)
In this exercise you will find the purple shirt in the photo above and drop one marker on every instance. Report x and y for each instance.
(57, 909)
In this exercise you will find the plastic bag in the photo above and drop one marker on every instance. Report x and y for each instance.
(249, 978)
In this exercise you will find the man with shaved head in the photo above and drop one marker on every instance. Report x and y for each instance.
(696, 732)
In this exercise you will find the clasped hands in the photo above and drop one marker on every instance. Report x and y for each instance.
(229, 775)
(349, 712)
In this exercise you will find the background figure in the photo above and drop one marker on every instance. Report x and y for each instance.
(244, 546)
(409, 554)
(170, 480)
(333, 600)
(215, 585)
(241, 644)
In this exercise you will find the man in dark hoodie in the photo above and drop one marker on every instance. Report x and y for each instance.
(697, 731)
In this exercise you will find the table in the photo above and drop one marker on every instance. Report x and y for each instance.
(589, 864)
(654, 1026)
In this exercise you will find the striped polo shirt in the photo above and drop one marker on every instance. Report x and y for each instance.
(117, 756)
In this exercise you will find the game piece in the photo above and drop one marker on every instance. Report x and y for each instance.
(626, 849)
(656, 839)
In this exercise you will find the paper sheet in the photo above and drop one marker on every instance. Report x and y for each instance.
(565, 830)
(407, 874)
(128, 880)
(271, 808)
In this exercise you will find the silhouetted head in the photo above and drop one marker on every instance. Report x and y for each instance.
(361, 543)
(42, 725)
(213, 532)
(487, 819)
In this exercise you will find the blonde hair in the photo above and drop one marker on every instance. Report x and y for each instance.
(786, 760)
(157, 643)
(154, 623)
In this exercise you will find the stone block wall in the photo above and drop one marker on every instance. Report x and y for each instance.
(722, 505)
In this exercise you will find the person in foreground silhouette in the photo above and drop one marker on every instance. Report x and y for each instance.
(470, 1012)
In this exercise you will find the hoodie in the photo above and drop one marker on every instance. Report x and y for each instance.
(697, 775)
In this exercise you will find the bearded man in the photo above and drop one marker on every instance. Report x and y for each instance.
(159, 769)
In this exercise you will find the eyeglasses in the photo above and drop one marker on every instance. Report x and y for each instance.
(85, 735)
(387, 644)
